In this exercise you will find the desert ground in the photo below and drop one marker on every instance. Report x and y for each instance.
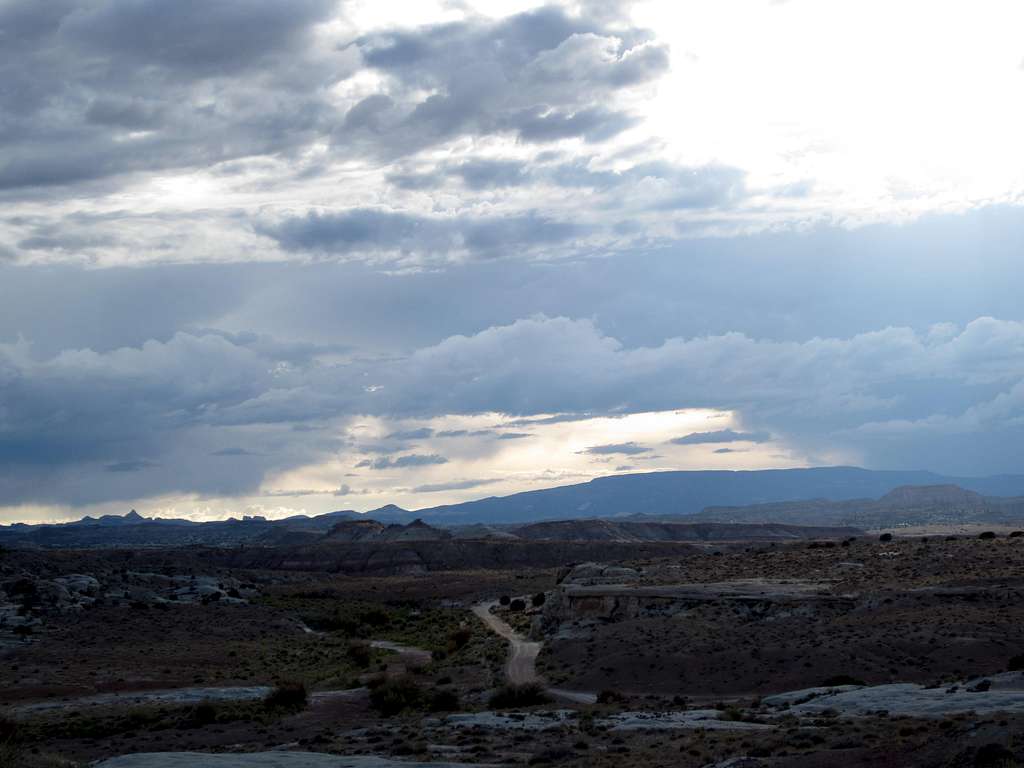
(849, 651)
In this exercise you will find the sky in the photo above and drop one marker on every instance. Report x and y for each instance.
(271, 258)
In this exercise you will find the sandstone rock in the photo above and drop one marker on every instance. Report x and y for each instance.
(80, 583)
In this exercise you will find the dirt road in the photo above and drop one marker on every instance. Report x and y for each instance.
(521, 667)
(408, 653)
(522, 654)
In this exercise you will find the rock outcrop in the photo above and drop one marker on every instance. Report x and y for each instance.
(609, 593)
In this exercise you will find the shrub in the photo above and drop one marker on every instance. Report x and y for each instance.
(444, 700)
(397, 695)
(11, 755)
(517, 605)
(10, 750)
(994, 756)
(885, 537)
(375, 617)
(504, 599)
(987, 535)
(289, 695)
(837, 680)
(1016, 534)
(538, 600)
(609, 696)
(360, 654)
(511, 696)
(1016, 663)
(556, 755)
(459, 638)
(203, 713)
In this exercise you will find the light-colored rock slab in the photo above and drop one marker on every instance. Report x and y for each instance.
(170, 696)
(708, 719)
(515, 721)
(262, 760)
(1003, 692)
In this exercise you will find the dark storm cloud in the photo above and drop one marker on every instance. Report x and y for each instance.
(192, 37)
(722, 436)
(539, 76)
(628, 449)
(189, 78)
(80, 409)
(784, 347)
(101, 94)
(365, 231)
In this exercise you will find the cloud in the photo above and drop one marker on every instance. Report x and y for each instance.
(491, 174)
(399, 462)
(539, 76)
(616, 448)
(193, 37)
(513, 435)
(721, 436)
(233, 452)
(419, 433)
(134, 465)
(393, 234)
(169, 400)
(931, 386)
(346, 490)
(122, 86)
(454, 485)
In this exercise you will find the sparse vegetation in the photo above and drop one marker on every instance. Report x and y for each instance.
(511, 696)
(444, 700)
(938, 589)
(397, 695)
(609, 696)
(289, 696)
(837, 680)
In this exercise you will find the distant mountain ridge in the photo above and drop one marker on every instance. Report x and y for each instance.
(672, 494)
(824, 496)
(903, 506)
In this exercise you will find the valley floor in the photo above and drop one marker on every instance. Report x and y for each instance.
(852, 652)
